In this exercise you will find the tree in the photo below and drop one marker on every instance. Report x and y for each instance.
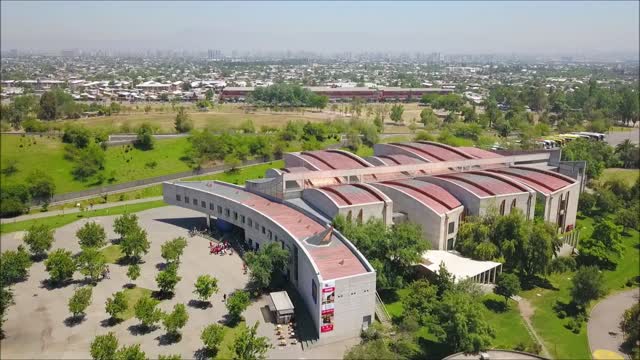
(41, 185)
(14, 199)
(607, 201)
(628, 106)
(173, 249)
(6, 300)
(212, 336)
(135, 243)
(60, 266)
(80, 301)
(170, 357)
(208, 95)
(145, 310)
(628, 153)
(133, 272)
(630, 324)
(372, 350)
(628, 218)
(125, 224)
(428, 118)
(603, 248)
(116, 305)
(14, 266)
(270, 259)
(132, 352)
(183, 122)
(92, 263)
(236, 304)
(507, 285)
(39, 239)
(419, 301)
(396, 113)
(444, 280)
(586, 203)
(168, 278)
(248, 346)
(175, 320)
(48, 106)
(91, 234)
(205, 286)
(587, 285)
(144, 138)
(104, 347)
(88, 161)
(459, 323)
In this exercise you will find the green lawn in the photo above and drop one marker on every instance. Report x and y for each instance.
(60, 220)
(240, 175)
(561, 342)
(133, 295)
(123, 163)
(629, 176)
(224, 350)
(112, 253)
(509, 326)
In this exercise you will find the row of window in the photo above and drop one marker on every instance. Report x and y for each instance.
(227, 213)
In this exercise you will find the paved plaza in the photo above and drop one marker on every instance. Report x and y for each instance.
(35, 326)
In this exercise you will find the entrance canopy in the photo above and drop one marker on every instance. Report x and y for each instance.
(462, 268)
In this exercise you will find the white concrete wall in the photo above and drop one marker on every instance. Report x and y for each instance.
(434, 225)
(553, 201)
(321, 201)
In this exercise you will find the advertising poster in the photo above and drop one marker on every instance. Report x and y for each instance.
(328, 306)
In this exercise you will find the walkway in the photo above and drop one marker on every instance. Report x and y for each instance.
(615, 138)
(603, 328)
(75, 210)
(526, 311)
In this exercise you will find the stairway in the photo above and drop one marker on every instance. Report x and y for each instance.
(381, 311)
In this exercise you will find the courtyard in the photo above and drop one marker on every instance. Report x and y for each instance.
(37, 325)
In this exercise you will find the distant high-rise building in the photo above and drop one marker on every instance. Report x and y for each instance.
(214, 54)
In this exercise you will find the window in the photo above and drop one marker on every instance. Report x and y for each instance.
(257, 226)
(203, 204)
(178, 197)
(242, 219)
(219, 209)
(452, 227)
(227, 212)
(235, 215)
(314, 291)
(513, 204)
(264, 230)
(270, 235)
(211, 206)
(250, 222)
(195, 201)
(502, 207)
(186, 199)
(450, 244)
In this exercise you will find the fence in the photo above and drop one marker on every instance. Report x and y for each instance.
(158, 179)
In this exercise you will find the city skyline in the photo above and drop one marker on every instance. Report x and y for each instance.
(321, 27)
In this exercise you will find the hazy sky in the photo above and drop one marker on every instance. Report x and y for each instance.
(453, 27)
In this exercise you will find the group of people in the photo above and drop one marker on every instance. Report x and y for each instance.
(220, 248)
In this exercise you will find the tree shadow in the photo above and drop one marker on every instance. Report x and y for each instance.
(161, 266)
(162, 295)
(141, 329)
(204, 354)
(433, 350)
(111, 321)
(186, 223)
(389, 296)
(168, 339)
(73, 320)
(48, 284)
(566, 309)
(530, 282)
(495, 305)
(199, 304)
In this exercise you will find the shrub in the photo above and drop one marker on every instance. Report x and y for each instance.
(562, 264)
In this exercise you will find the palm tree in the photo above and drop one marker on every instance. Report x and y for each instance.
(628, 153)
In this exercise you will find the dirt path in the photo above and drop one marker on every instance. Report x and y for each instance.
(526, 311)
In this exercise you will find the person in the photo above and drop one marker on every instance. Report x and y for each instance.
(224, 298)
(108, 273)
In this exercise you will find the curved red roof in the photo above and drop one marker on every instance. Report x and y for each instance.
(483, 184)
(399, 159)
(432, 195)
(335, 159)
(540, 180)
(479, 153)
(352, 194)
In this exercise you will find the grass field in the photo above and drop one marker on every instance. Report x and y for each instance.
(133, 295)
(225, 349)
(112, 253)
(47, 153)
(240, 175)
(61, 220)
(629, 176)
(509, 326)
(561, 342)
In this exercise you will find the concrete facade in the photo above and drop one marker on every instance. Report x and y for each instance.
(354, 305)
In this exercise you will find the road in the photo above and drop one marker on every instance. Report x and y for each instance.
(615, 138)
(603, 328)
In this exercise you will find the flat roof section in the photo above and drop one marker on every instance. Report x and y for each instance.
(336, 260)
(432, 195)
(483, 184)
(543, 181)
(345, 195)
